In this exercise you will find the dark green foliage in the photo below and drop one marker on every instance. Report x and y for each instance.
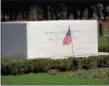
(103, 49)
(23, 66)
(103, 44)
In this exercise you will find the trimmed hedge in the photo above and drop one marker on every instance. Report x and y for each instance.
(23, 66)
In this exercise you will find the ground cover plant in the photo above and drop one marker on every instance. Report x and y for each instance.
(90, 77)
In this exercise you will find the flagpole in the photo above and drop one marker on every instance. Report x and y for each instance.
(75, 62)
(72, 44)
(72, 49)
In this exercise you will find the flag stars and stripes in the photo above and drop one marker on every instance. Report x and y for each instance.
(68, 38)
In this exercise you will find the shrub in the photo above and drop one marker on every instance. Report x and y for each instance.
(22, 66)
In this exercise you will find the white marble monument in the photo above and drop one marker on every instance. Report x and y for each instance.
(44, 39)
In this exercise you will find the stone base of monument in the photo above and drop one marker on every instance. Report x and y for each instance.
(78, 56)
(99, 53)
(103, 53)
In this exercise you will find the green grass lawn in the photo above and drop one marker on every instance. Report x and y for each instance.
(102, 41)
(103, 44)
(95, 76)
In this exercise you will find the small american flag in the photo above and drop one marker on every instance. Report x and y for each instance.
(68, 38)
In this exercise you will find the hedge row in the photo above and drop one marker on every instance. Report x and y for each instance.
(23, 66)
